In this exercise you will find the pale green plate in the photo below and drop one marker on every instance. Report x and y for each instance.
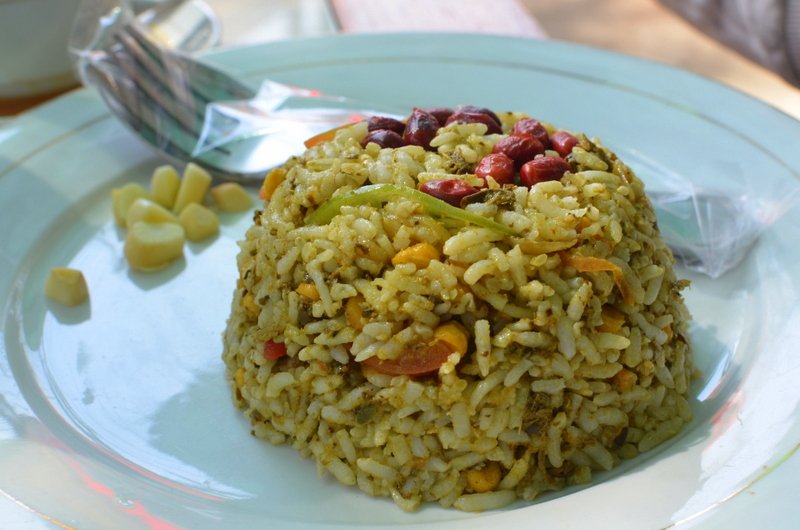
(115, 414)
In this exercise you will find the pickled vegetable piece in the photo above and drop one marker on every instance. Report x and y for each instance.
(194, 186)
(164, 185)
(123, 198)
(66, 286)
(198, 222)
(153, 246)
(146, 210)
(231, 197)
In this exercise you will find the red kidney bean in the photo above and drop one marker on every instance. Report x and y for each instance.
(376, 123)
(421, 127)
(498, 166)
(440, 113)
(460, 116)
(531, 127)
(450, 191)
(480, 110)
(519, 148)
(563, 142)
(383, 138)
(543, 169)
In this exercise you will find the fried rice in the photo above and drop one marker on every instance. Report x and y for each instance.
(428, 357)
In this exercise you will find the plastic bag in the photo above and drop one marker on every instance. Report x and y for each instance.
(711, 229)
(708, 231)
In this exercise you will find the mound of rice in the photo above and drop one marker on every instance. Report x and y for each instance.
(559, 350)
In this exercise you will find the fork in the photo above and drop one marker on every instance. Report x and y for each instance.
(191, 110)
(161, 96)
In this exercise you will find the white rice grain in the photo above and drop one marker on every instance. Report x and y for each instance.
(480, 502)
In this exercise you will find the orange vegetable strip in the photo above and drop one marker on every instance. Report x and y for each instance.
(592, 264)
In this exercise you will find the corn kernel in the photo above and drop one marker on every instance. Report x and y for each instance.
(613, 319)
(669, 332)
(462, 290)
(485, 479)
(66, 286)
(353, 312)
(249, 304)
(309, 290)
(238, 377)
(454, 334)
(420, 255)
(624, 380)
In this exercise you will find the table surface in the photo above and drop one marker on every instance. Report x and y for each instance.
(643, 28)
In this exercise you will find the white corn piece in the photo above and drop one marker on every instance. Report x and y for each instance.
(66, 286)
(231, 197)
(164, 184)
(152, 246)
(148, 211)
(198, 221)
(122, 199)
(194, 186)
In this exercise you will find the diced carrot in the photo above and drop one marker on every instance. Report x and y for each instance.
(624, 380)
(613, 319)
(274, 350)
(592, 264)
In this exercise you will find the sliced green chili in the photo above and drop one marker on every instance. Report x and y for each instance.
(377, 194)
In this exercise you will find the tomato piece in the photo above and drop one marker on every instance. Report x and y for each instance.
(274, 350)
(424, 359)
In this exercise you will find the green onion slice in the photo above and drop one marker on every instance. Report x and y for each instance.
(377, 194)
